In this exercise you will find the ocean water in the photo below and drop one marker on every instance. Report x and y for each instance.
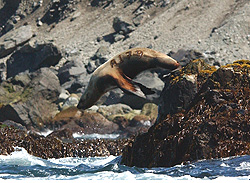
(22, 166)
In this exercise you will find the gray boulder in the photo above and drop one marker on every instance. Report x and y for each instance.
(122, 27)
(71, 70)
(2, 71)
(99, 58)
(33, 104)
(10, 41)
(185, 56)
(73, 76)
(32, 57)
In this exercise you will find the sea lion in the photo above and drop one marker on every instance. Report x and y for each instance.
(119, 71)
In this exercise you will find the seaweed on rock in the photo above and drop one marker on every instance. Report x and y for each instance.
(215, 124)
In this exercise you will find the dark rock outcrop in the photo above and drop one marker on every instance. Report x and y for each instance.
(73, 75)
(99, 58)
(185, 56)
(214, 124)
(121, 26)
(32, 57)
(58, 10)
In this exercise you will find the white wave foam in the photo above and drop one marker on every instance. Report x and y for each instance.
(91, 162)
(243, 166)
(45, 133)
(95, 136)
(21, 157)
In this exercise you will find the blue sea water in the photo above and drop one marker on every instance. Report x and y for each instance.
(22, 166)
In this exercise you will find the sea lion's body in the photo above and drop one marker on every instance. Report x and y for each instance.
(119, 71)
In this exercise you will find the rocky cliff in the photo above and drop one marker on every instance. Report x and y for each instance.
(204, 114)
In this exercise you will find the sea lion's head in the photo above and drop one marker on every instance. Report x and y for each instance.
(90, 95)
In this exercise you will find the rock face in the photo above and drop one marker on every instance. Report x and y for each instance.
(181, 89)
(214, 123)
(28, 98)
(10, 41)
(31, 57)
(73, 75)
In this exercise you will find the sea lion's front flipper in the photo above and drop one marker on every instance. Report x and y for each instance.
(130, 87)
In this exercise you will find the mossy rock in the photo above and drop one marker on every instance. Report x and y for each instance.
(239, 66)
(196, 67)
(13, 93)
(128, 116)
(115, 109)
(150, 110)
(70, 112)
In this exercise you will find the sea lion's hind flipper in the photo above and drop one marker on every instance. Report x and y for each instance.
(144, 89)
(127, 85)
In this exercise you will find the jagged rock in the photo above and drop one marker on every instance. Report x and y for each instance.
(214, 125)
(10, 41)
(121, 26)
(31, 57)
(185, 56)
(71, 70)
(15, 125)
(73, 76)
(99, 58)
(30, 102)
(57, 11)
(179, 93)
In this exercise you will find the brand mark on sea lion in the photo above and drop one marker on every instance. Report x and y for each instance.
(139, 53)
(113, 63)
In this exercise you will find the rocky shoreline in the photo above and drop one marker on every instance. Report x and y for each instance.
(53, 147)
(49, 49)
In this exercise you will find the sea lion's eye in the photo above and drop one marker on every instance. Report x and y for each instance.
(139, 53)
(113, 63)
